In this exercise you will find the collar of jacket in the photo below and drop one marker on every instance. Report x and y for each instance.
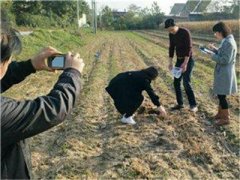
(230, 36)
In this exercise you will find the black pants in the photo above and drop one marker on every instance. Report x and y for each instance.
(223, 102)
(186, 83)
(127, 109)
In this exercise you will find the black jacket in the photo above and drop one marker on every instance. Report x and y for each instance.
(24, 119)
(126, 88)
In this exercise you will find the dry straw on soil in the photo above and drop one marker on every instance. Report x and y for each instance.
(206, 26)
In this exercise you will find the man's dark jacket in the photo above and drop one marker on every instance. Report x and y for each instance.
(127, 87)
(24, 119)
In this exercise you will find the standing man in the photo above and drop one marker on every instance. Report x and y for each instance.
(180, 39)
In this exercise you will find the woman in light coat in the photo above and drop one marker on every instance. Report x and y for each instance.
(225, 81)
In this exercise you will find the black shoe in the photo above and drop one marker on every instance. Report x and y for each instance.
(177, 107)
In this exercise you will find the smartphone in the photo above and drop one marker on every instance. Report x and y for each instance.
(57, 62)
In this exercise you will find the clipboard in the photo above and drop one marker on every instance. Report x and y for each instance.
(206, 50)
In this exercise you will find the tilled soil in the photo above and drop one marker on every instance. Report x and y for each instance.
(92, 143)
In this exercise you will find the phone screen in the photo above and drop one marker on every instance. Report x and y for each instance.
(58, 62)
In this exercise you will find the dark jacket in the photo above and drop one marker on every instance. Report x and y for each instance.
(126, 88)
(182, 41)
(26, 118)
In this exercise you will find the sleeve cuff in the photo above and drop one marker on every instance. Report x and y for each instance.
(215, 57)
(28, 67)
(73, 71)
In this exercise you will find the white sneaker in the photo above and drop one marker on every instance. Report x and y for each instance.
(194, 108)
(128, 120)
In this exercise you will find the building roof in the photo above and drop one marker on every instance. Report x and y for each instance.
(195, 7)
(220, 5)
(189, 7)
(202, 6)
(177, 9)
(119, 13)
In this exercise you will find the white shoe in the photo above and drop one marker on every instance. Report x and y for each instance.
(194, 108)
(128, 120)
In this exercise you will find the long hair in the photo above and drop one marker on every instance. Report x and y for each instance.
(151, 72)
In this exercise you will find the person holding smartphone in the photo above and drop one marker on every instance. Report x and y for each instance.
(22, 119)
(181, 41)
(225, 81)
(126, 90)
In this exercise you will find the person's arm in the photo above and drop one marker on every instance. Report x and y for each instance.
(23, 119)
(187, 50)
(171, 52)
(187, 43)
(17, 72)
(213, 48)
(224, 54)
(171, 46)
(154, 98)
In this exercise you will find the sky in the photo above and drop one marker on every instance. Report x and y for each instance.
(165, 5)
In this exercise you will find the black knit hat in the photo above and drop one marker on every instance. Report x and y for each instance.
(169, 23)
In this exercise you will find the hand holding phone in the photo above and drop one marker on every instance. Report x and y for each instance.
(74, 61)
(51, 59)
(57, 62)
(39, 60)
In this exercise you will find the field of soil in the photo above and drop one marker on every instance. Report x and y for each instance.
(92, 143)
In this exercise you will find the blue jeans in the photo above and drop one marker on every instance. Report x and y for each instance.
(186, 83)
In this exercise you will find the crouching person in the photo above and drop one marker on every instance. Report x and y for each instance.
(26, 118)
(126, 91)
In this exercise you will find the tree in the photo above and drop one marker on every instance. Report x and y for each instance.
(120, 24)
(6, 11)
(235, 8)
(155, 8)
(135, 18)
(59, 12)
(134, 9)
(144, 12)
(107, 17)
(32, 7)
(222, 5)
(157, 14)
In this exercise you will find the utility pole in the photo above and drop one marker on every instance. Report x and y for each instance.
(100, 20)
(77, 13)
(94, 18)
(93, 15)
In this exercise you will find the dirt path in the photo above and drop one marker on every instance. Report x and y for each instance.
(53, 142)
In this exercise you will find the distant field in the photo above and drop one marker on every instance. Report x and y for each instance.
(205, 27)
(92, 143)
